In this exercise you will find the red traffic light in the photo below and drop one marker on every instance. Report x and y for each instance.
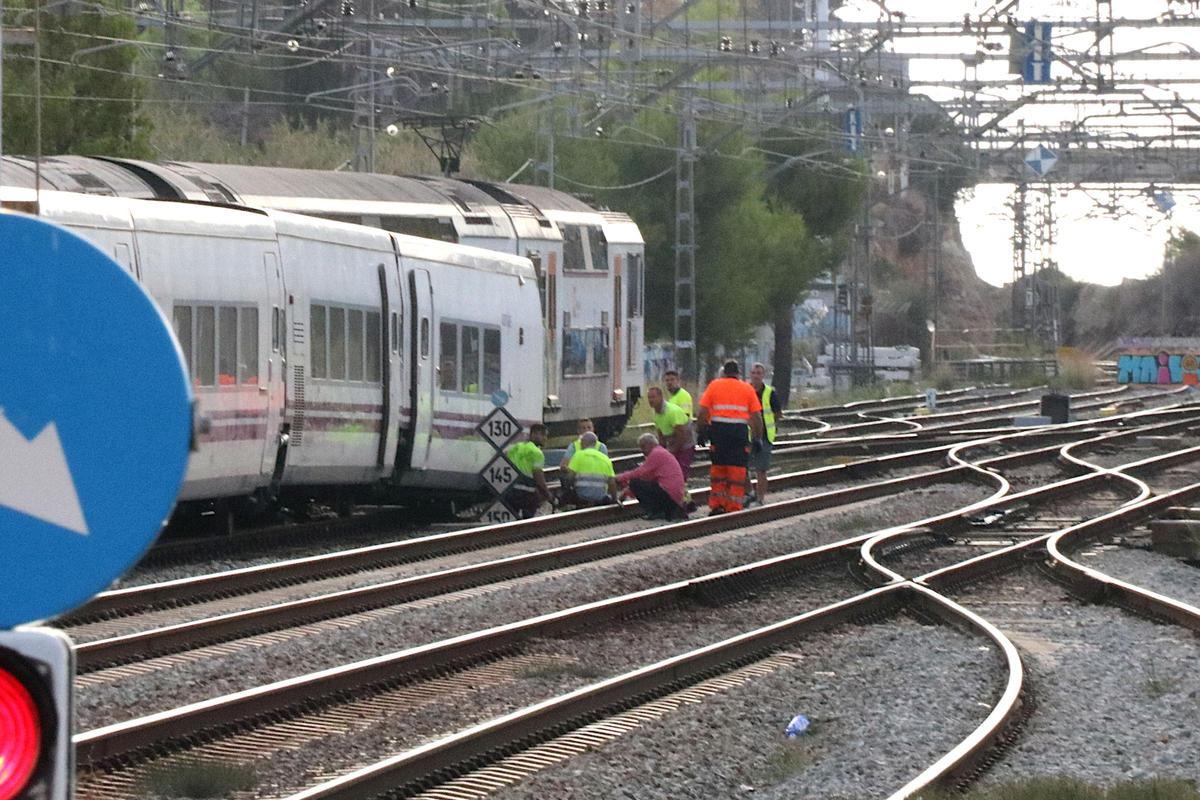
(20, 735)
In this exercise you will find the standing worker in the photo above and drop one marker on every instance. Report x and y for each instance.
(677, 394)
(530, 490)
(730, 413)
(673, 427)
(760, 458)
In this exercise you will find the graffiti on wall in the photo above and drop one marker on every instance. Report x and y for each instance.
(1159, 361)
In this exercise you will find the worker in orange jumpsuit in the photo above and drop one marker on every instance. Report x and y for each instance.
(730, 415)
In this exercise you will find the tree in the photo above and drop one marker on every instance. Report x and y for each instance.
(90, 102)
(826, 188)
(634, 172)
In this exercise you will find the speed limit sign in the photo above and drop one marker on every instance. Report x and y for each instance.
(500, 474)
(499, 428)
(497, 513)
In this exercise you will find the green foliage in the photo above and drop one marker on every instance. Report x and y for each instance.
(620, 172)
(92, 107)
(825, 186)
(181, 134)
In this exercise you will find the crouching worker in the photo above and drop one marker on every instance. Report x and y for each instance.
(592, 481)
(530, 490)
(657, 483)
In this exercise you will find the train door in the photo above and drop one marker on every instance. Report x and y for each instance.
(272, 388)
(385, 373)
(421, 303)
(618, 325)
(397, 349)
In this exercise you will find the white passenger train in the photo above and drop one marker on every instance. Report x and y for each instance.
(327, 358)
(589, 263)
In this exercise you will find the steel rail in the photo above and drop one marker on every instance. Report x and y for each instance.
(134, 598)
(189, 635)
(192, 634)
(411, 771)
(249, 579)
(999, 412)
(1100, 587)
(964, 757)
(155, 731)
(863, 405)
(193, 720)
(869, 551)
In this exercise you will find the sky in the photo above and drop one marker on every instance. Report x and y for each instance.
(1102, 237)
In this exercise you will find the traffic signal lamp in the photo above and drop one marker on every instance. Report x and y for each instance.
(37, 672)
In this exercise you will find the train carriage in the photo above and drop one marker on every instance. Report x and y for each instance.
(589, 264)
(328, 359)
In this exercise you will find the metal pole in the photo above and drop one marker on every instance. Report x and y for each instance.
(937, 259)
(1, 85)
(245, 113)
(37, 101)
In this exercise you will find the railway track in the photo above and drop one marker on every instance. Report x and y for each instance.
(408, 774)
(118, 741)
(121, 640)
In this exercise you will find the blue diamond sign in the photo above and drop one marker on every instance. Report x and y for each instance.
(1041, 160)
(95, 420)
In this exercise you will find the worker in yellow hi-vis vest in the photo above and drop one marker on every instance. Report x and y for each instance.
(760, 457)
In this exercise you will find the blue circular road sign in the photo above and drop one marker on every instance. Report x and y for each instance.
(499, 398)
(95, 420)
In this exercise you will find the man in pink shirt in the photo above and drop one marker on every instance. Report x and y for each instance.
(658, 482)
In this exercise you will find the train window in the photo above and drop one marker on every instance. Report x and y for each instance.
(320, 352)
(183, 332)
(448, 373)
(630, 344)
(440, 228)
(470, 359)
(227, 346)
(633, 284)
(354, 345)
(395, 332)
(337, 343)
(599, 337)
(491, 360)
(424, 337)
(585, 351)
(598, 245)
(248, 345)
(574, 355)
(536, 258)
(206, 338)
(573, 248)
(374, 344)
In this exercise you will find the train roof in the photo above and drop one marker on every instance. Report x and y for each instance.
(81, 174)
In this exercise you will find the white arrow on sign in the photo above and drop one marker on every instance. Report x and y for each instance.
(35, 478)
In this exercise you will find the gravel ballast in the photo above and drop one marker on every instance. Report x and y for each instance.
(207, 673)
(1154, 571)
(884, 702)
(1116, 696)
